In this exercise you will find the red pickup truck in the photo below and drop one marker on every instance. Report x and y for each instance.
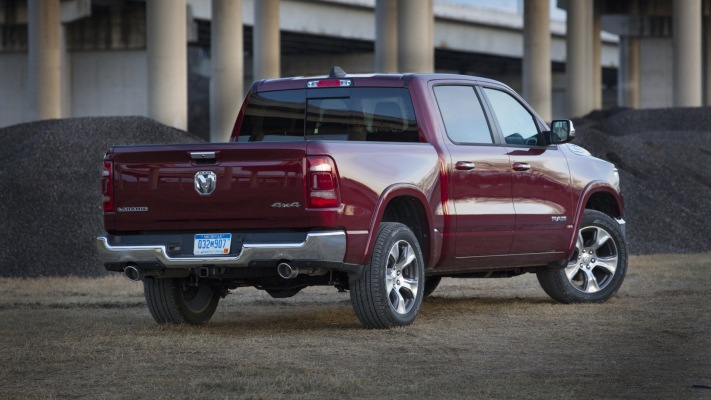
(375, 184)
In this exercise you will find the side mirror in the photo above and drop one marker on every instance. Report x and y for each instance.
(562, 131)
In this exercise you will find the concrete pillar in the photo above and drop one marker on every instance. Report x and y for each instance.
(166, 27)
(628, 72)
(227, 68)
(537, 56)
(579, 47)
(707, 60)
(66, 76)
(686, 27)
(44, 59)
(267, 44)
(415, 33)
(386, 36)
(597, 56)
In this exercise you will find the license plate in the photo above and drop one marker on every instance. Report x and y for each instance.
(212, 243)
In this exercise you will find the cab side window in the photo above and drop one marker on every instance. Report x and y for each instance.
(463, 116)
(518, 126)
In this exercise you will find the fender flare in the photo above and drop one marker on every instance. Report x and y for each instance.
(591, 189)
(391, 192)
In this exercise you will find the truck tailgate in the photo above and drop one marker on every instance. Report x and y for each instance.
(171, 187)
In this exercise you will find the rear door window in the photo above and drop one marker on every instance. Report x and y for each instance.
(462, 114)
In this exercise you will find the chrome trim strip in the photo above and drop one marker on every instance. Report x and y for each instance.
(358, 232)
(321, 246)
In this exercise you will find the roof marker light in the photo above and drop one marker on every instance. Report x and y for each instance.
(329, 83)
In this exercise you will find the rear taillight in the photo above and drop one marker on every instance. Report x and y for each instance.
(321, 182)
(107, 186)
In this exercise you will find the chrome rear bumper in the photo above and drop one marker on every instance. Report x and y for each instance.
(327, 246)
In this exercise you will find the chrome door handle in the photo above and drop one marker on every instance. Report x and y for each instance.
(519, 166)
(465, 165)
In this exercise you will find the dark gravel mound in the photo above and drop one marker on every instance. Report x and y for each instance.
(50, 200)
(626, 121)
(662, 156)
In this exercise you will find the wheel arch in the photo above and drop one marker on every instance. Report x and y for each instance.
(605, 202)
(408, 205)
(600, 196)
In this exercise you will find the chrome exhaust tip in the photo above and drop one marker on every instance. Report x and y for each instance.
(133, 274)
(287, 270)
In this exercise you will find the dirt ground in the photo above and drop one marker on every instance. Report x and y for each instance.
(497, 338)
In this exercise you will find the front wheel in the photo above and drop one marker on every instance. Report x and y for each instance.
(390, 291)
(597, 268)
(178, 301)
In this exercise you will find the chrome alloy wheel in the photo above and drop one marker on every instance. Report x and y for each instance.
(595, 261)
(402, 277)
(389, 291)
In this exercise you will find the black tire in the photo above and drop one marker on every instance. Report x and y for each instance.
(173, 301)
(390, 291)
(431, 283)
(598, 266)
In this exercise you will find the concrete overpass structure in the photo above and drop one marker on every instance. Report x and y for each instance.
(121, 57)
(665, 50)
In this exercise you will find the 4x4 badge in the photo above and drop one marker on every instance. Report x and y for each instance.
(205, 182)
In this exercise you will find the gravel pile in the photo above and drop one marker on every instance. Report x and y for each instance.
(662, 155)
(50, 173)
(50, 199)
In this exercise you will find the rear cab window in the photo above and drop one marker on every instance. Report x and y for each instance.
(274, 117)
(344, 114)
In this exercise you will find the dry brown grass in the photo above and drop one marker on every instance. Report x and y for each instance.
(94, 338)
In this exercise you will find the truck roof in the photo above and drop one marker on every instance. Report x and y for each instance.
(334, 79)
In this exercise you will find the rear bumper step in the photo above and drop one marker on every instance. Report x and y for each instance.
(327, 246)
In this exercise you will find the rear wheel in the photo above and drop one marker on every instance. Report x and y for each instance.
(390, 291)
(597, 268)
(178, 301)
